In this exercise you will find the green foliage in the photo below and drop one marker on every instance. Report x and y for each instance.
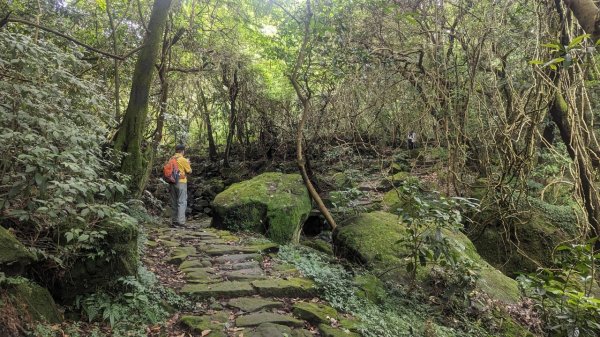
(342, 201)
(58, 184)
(566, 55)
(426, 219)
(136, 303)
(564, 295)
(401, 313)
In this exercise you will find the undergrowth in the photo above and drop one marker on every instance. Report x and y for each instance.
(128, 308)
(400, 314)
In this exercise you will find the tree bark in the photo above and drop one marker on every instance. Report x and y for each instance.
(130, 135)
(212, 149)
(233, 86)
(117, 78)
(587, 14)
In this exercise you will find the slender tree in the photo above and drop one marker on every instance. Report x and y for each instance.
(130, 135)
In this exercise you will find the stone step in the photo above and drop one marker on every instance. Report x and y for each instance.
(179, 254)
(237, 258)
(253, 304)
(276, 330)
(226, 289)
(242, 265)
(258, 318)
(189, 264)
(237, 276)
(292, 287)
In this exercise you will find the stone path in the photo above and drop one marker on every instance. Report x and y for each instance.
(241, 290)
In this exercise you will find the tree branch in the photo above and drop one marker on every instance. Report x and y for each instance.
(67, 37)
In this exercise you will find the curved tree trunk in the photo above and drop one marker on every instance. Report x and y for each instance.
(305, 100)
(130, 135)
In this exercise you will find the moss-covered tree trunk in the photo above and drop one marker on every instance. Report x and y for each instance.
(130, 135)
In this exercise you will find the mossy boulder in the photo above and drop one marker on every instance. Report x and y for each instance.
(520, 246)
(372, 239)
(275, 204)
(319, 245)
(32, 302)
(370, 288)
(14, 256)
(87, 274)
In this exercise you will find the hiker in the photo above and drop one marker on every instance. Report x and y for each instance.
(412, 139)
(178, 187)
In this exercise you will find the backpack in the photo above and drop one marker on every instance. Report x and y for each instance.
(171, 171)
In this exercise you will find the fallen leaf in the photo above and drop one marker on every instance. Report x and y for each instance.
(205, 332)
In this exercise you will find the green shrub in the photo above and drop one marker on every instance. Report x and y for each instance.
(563, 295)
(59, 185)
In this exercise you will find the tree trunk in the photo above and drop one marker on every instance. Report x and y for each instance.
(117, 78)
(559, 111)
(130, 135)
(587, 14)
(233, 86)
(212, 149)
(305, 100)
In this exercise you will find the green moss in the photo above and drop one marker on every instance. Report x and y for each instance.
(291, 287)
(12, 251)
(341, 181)
(33, 301)
(199, 324)
(371, 288)
(275, 203)
(520, 246)
(253, 304)
(319, 245)
(372, 239)
(226, 289)
(314, 313)
(255, 319)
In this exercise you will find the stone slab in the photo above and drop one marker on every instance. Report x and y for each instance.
(253, 304)
(237, 258)
(227, 289)
(293, 287)
(258, 318)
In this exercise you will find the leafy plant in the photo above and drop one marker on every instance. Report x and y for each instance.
(135, 303)
(59, 185)
(403, 313)
(426, 220)
(563, 295)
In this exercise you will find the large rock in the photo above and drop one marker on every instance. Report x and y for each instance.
(14, 256)
(372, 239)
(273, 203)
(530, 240)
(32, 302)
(87, 274)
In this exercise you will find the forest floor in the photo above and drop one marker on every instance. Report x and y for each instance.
(237, 285)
